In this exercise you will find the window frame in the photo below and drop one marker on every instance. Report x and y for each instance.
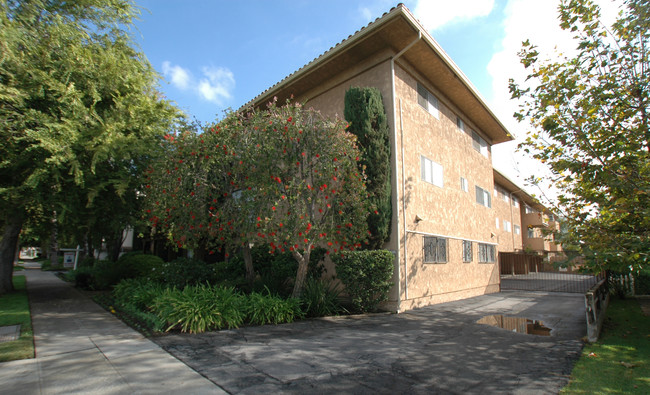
(464, 184)
(486, 253)
(468, 251)
(479, 144)
(435, 249)
(484, 194)
(435, 171)
(428, 100)
(517, 229)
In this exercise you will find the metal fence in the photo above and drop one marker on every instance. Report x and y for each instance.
(531, 273)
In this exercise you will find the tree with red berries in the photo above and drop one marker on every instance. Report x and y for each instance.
(284, 177)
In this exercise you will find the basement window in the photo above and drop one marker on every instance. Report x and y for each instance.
(435, 249)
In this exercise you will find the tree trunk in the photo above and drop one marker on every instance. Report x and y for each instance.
(301, 274)
(53, 253)
(248, 263)
(8, 246)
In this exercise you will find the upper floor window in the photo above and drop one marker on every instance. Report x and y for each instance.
(507, 226)
(431, 171)
(515, 201)
(483, 197)
(517, 229)
(529, 210)
(479, 144)
(460, 124)
(435, 249)
(427, 100)
(464, 185)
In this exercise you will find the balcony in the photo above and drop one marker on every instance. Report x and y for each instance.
(535, 220)
(554, 226)
(554, 247)
(537, 244)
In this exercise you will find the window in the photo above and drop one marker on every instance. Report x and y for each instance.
(515, 201)
(479, 144)
(435, 250)
(427, 100)
(483, 197)
(507, 226)
(486, 253)
(517, 229)
(431, 172)
(464, 185)
(460, 124)
(467, 251)
(529, 210)
(531, 233)
(497, 223)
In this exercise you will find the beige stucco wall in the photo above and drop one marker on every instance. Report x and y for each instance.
(448, 211)
(508, 241)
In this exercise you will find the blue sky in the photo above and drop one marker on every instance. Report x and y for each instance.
(217, 54)
(240, 48)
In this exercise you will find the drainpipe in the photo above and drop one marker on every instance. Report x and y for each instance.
(394, 170)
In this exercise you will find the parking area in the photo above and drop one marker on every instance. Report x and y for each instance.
(437, 349)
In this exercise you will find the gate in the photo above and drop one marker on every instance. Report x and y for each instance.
(531, 273)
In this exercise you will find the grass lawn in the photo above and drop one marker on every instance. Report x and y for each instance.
(14, 309)
(619, 363)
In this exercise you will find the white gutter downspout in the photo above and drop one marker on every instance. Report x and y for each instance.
(392, 83)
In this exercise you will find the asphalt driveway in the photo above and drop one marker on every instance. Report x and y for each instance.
(437, 349)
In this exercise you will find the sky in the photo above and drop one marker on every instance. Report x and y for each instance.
(215, 55)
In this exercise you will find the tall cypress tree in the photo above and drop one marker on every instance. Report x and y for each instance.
(364, 111)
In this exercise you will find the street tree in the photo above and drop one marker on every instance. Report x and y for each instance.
(589, 117)
(79, 114)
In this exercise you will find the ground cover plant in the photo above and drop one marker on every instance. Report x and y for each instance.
(619, 362)
(14, 309)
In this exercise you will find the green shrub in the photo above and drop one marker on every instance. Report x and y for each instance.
(138, 264)
(87, 261)
(366, 275)
(276, 271)
(642, 283)
(200, 308)
(137, 292)
(320, 298)
(182, 272)
(270, 309)
(82, 277)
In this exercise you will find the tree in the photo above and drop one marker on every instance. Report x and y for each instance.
(590, 120)
(79, 114)
(364, 110)
(284, 177)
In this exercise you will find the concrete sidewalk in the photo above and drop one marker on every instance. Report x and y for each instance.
(81, 348)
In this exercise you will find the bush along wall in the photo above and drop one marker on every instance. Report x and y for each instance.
(364, 110)
(367, 277)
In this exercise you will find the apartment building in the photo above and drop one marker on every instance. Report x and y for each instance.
(444, 232)
(523, 224)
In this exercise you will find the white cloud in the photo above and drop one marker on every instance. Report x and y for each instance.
(436, 14)
(179, 76)
(216, 86)
(366, 13)
(538, 21)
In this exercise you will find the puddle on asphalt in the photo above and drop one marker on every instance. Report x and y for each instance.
(516, 324)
